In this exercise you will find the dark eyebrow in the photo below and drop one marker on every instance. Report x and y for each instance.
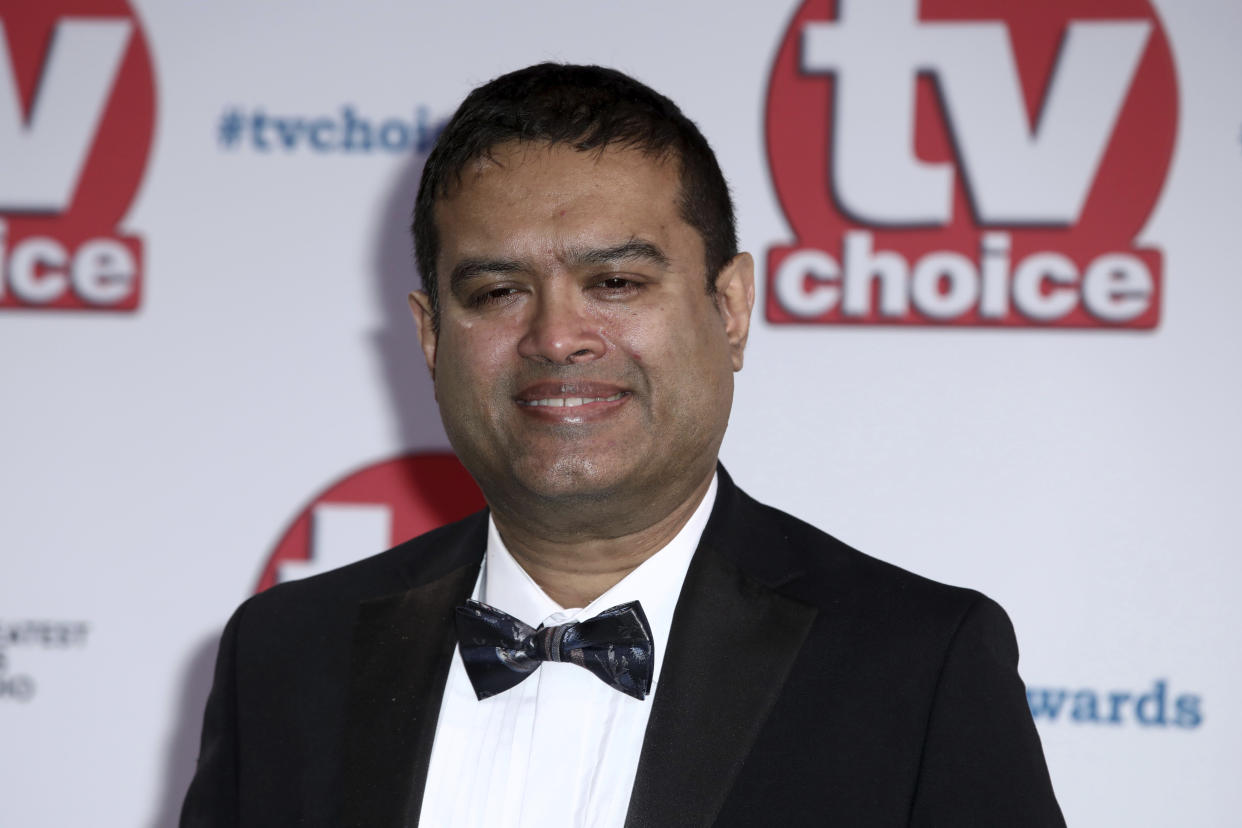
(626, 251)
(469, 268)
(634, 249)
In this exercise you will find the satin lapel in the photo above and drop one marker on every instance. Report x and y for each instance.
(402, 649)
(708, 708)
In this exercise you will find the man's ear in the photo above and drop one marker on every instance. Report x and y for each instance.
(420, 306)
(735, 296)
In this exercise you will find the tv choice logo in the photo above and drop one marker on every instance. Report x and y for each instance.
(370, 510)
(77, 113)
(1153, 707)
(346, 132)
(969, 163)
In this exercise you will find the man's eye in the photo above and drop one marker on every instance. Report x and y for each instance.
(618, 284)
(497, 294)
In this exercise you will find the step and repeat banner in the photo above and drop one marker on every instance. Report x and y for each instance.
(995, 341)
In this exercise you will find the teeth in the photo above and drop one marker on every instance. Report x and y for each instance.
(572, 402)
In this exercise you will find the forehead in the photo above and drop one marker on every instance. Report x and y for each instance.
(527, 197)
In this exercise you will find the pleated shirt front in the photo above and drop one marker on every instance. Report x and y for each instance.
(561, 748)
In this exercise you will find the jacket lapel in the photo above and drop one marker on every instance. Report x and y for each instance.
(733, 641)
(402, 649)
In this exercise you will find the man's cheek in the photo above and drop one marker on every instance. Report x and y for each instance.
(474, 350)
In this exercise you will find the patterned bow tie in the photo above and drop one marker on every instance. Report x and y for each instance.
(499, 650)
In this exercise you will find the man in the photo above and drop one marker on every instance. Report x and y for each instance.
(585, 308)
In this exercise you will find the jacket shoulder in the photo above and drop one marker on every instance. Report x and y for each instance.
(416, 561)
(810, 565)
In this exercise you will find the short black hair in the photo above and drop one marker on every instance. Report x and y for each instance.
(588, 108)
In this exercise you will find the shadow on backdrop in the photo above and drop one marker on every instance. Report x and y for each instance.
(411, 395)
(181, 749)
(411, 399)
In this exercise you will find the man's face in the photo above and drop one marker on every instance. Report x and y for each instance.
(579, 355)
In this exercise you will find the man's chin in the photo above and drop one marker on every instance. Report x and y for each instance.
(572, 479)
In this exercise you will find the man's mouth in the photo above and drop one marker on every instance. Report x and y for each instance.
(570, 402)
(574, 400)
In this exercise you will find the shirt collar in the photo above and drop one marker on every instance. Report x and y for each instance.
(655, 583)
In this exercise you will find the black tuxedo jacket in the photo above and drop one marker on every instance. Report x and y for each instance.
(804, 684)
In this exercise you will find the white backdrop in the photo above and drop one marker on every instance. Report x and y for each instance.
(154, 457)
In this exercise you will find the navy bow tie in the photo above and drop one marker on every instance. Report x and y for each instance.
(499, 650)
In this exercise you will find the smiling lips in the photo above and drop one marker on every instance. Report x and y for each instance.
(570, 402)
(561, 396)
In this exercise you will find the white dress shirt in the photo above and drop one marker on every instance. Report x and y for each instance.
(561, 748)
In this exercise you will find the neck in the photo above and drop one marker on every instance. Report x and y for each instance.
(575, 567)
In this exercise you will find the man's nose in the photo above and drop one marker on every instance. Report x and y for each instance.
(560, 331)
